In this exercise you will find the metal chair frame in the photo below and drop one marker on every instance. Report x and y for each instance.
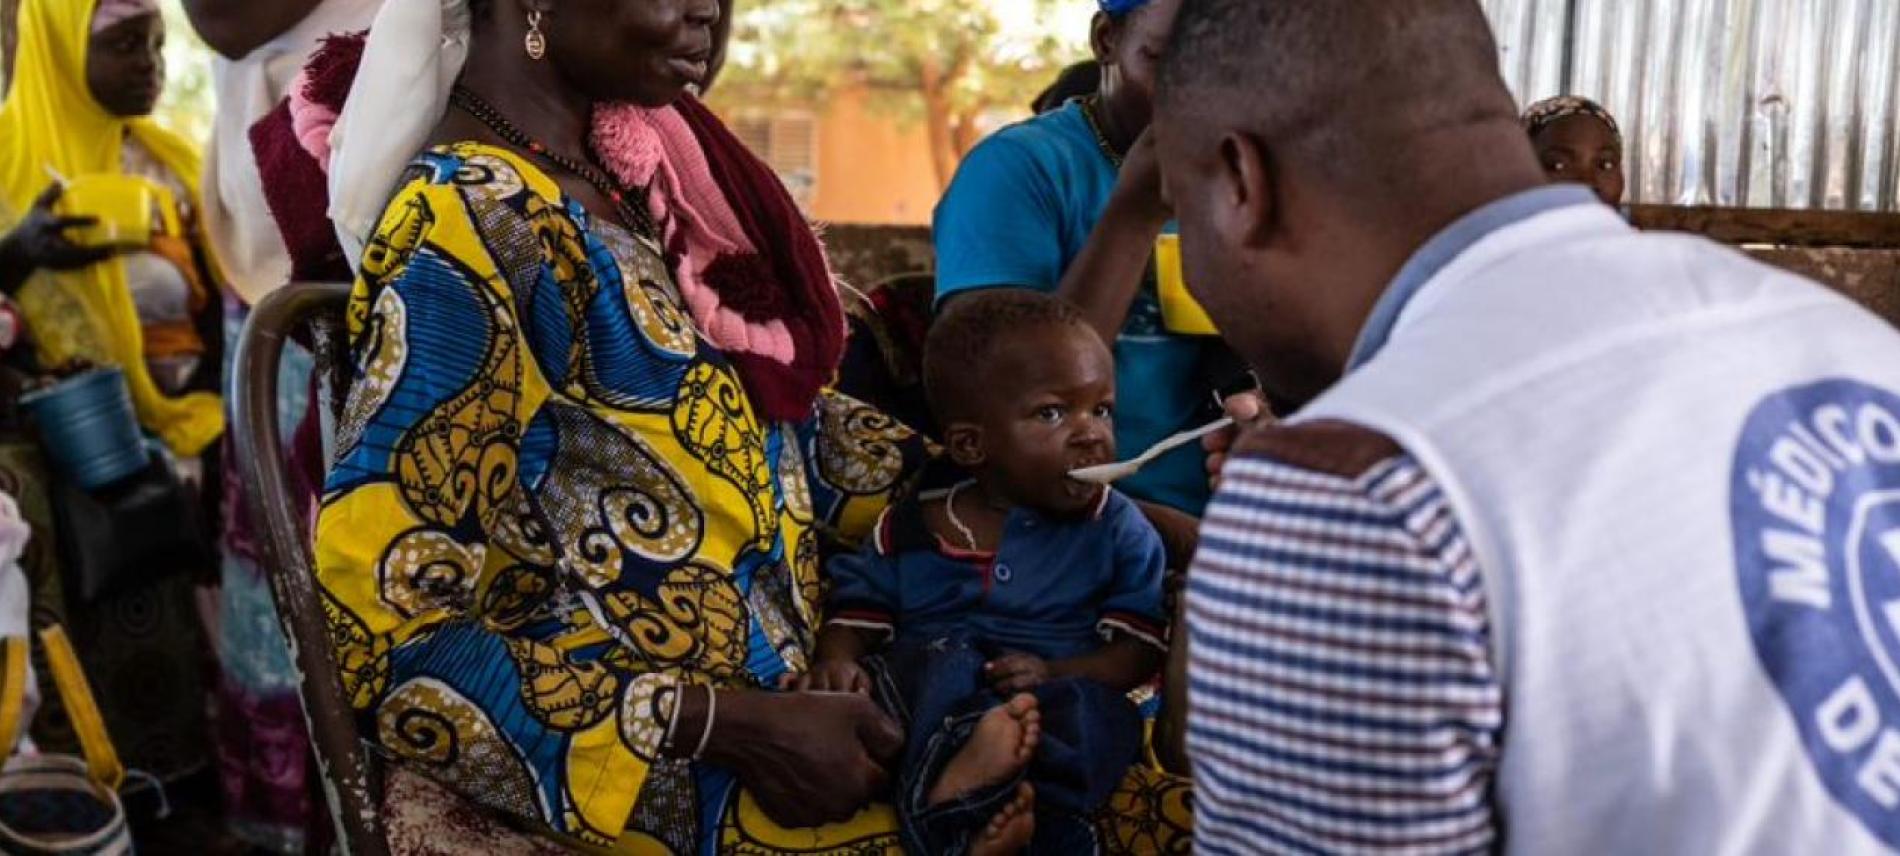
(347, 769)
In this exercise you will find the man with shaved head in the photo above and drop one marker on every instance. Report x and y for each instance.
(1589, 541)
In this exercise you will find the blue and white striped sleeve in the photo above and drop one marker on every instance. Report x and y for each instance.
(1342, 695)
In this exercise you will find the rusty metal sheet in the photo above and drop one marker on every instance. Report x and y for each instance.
(1756, 103)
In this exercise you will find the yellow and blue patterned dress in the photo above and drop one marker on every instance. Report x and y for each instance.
(553, 506)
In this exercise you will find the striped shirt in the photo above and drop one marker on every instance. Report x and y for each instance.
(1343, 695)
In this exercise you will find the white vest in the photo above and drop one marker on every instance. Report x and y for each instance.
(1670, 462)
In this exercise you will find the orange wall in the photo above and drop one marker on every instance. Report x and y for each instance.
(871, 169)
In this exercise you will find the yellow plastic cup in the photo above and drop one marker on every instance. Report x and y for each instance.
(1181, 314)
(130, 210)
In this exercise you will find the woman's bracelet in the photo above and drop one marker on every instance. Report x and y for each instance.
(705, 737)
(672, 720)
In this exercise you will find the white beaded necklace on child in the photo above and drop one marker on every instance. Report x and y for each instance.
(950, 510)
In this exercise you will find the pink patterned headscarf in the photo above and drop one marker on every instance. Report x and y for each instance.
(112, 12)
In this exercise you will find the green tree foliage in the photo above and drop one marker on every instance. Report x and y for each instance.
(189, 105)
(947, 63)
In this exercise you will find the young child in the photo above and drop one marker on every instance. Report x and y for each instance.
(1006, 620)
(1578, 142)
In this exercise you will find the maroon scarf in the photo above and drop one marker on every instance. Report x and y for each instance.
(789, 280)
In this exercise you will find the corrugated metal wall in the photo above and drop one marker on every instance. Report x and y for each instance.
(1755, 103)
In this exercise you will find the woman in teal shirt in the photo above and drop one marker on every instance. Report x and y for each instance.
(1070, 203)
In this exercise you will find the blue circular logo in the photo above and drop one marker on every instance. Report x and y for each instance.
(1815, 505)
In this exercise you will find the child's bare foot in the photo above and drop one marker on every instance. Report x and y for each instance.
(1012, 827)
(1000, 747)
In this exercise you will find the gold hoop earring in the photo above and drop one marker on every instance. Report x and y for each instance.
(536, 43)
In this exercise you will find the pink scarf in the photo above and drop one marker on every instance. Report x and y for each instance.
(752, 271)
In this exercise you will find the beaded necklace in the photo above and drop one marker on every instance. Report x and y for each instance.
(629, 202)
(1091, 111)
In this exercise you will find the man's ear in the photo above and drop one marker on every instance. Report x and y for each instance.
(964, 442)
(1248, 213)
(1104, 36)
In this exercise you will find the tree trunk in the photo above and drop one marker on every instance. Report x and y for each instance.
(937, 122)
(964, 136)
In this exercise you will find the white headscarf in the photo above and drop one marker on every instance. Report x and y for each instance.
(415, 53)
(237, 217)
(109, 13)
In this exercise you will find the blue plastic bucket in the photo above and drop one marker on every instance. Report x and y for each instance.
(89, 428)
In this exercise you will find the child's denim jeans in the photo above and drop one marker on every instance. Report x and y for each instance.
(1091, 735)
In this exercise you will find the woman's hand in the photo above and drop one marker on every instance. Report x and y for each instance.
(1247, 410)
(1015, 673)
(39, 242)
(808, 758)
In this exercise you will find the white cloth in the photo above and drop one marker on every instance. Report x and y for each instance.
(249, 247)
(415, 53)
(16, 603)
(1614, 416)
(111, 13)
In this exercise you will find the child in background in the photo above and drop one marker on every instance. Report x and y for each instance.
(1578, 142)
(1007, 620)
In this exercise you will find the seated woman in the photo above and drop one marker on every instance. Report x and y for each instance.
(570, 544)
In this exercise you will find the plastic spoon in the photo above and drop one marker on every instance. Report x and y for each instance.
(1111, 473)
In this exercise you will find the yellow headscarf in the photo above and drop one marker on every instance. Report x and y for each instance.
(50, 119)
